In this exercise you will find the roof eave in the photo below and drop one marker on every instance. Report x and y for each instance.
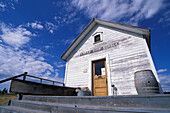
(129, 28)
(80, 36)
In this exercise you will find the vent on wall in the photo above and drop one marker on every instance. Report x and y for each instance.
(97, 37)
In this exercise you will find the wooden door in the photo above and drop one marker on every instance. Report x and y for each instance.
(100, 87)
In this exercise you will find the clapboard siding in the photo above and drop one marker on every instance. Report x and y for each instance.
(127, 53)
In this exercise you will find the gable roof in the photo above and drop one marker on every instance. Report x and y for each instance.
(143, 31)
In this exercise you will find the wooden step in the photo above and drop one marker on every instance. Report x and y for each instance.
(14, 109)
(89, 104)
(72, 108)
(162, 101)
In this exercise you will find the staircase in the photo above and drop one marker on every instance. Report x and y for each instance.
(89, 104)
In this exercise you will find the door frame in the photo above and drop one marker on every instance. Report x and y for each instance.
(91, 60)
(93, 78)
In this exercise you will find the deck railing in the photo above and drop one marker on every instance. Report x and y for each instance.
(25, 75)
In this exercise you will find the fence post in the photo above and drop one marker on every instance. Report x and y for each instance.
(40, 80)
(24, 76)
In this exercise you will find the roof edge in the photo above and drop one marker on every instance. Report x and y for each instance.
(77, 38)
(121, 24)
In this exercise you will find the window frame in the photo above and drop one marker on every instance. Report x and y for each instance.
(101, 37)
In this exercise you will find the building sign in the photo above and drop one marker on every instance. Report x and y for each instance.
(103, 46)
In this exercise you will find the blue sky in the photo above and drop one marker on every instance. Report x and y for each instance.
(35, 33)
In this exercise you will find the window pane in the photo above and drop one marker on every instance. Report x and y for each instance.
(97, 38)
(99, 68)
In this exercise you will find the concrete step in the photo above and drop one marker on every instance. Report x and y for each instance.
(72, 108)
(160, 101)
(14, 109)
(72, 104)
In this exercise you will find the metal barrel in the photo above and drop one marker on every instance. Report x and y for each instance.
(146, 83)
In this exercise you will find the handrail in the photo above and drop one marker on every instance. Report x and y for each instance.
(44, 79)
(24, 77)
(11, 78)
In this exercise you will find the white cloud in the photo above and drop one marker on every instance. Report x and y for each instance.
(17, 61)
(47, 47)
(66, 18)
(14, 62)
(81, 28)
(5, 5)
(162, 70)
(125, 11)
(67, 15)
(35, 25)
(51, 27)
(41, 58)
(55, 77)
(2, 5)
(59, 64)
(47, 73)
(165, 19)
(165, 82)
(51, 31)
(67, 42)
(15, 37)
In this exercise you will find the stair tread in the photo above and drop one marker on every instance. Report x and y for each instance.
(20, 109)
(162, 101)
(114, 108)
(121, 96)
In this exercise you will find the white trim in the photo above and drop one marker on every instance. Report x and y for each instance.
(101, 37)
(90, 84)
(66, 70)
(152, 66)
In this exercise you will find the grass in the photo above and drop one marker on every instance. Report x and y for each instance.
(5, 97)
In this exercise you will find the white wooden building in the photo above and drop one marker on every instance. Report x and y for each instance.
(111, 49)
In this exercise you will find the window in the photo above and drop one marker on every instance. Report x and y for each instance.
(99, 68)
(97, 37)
